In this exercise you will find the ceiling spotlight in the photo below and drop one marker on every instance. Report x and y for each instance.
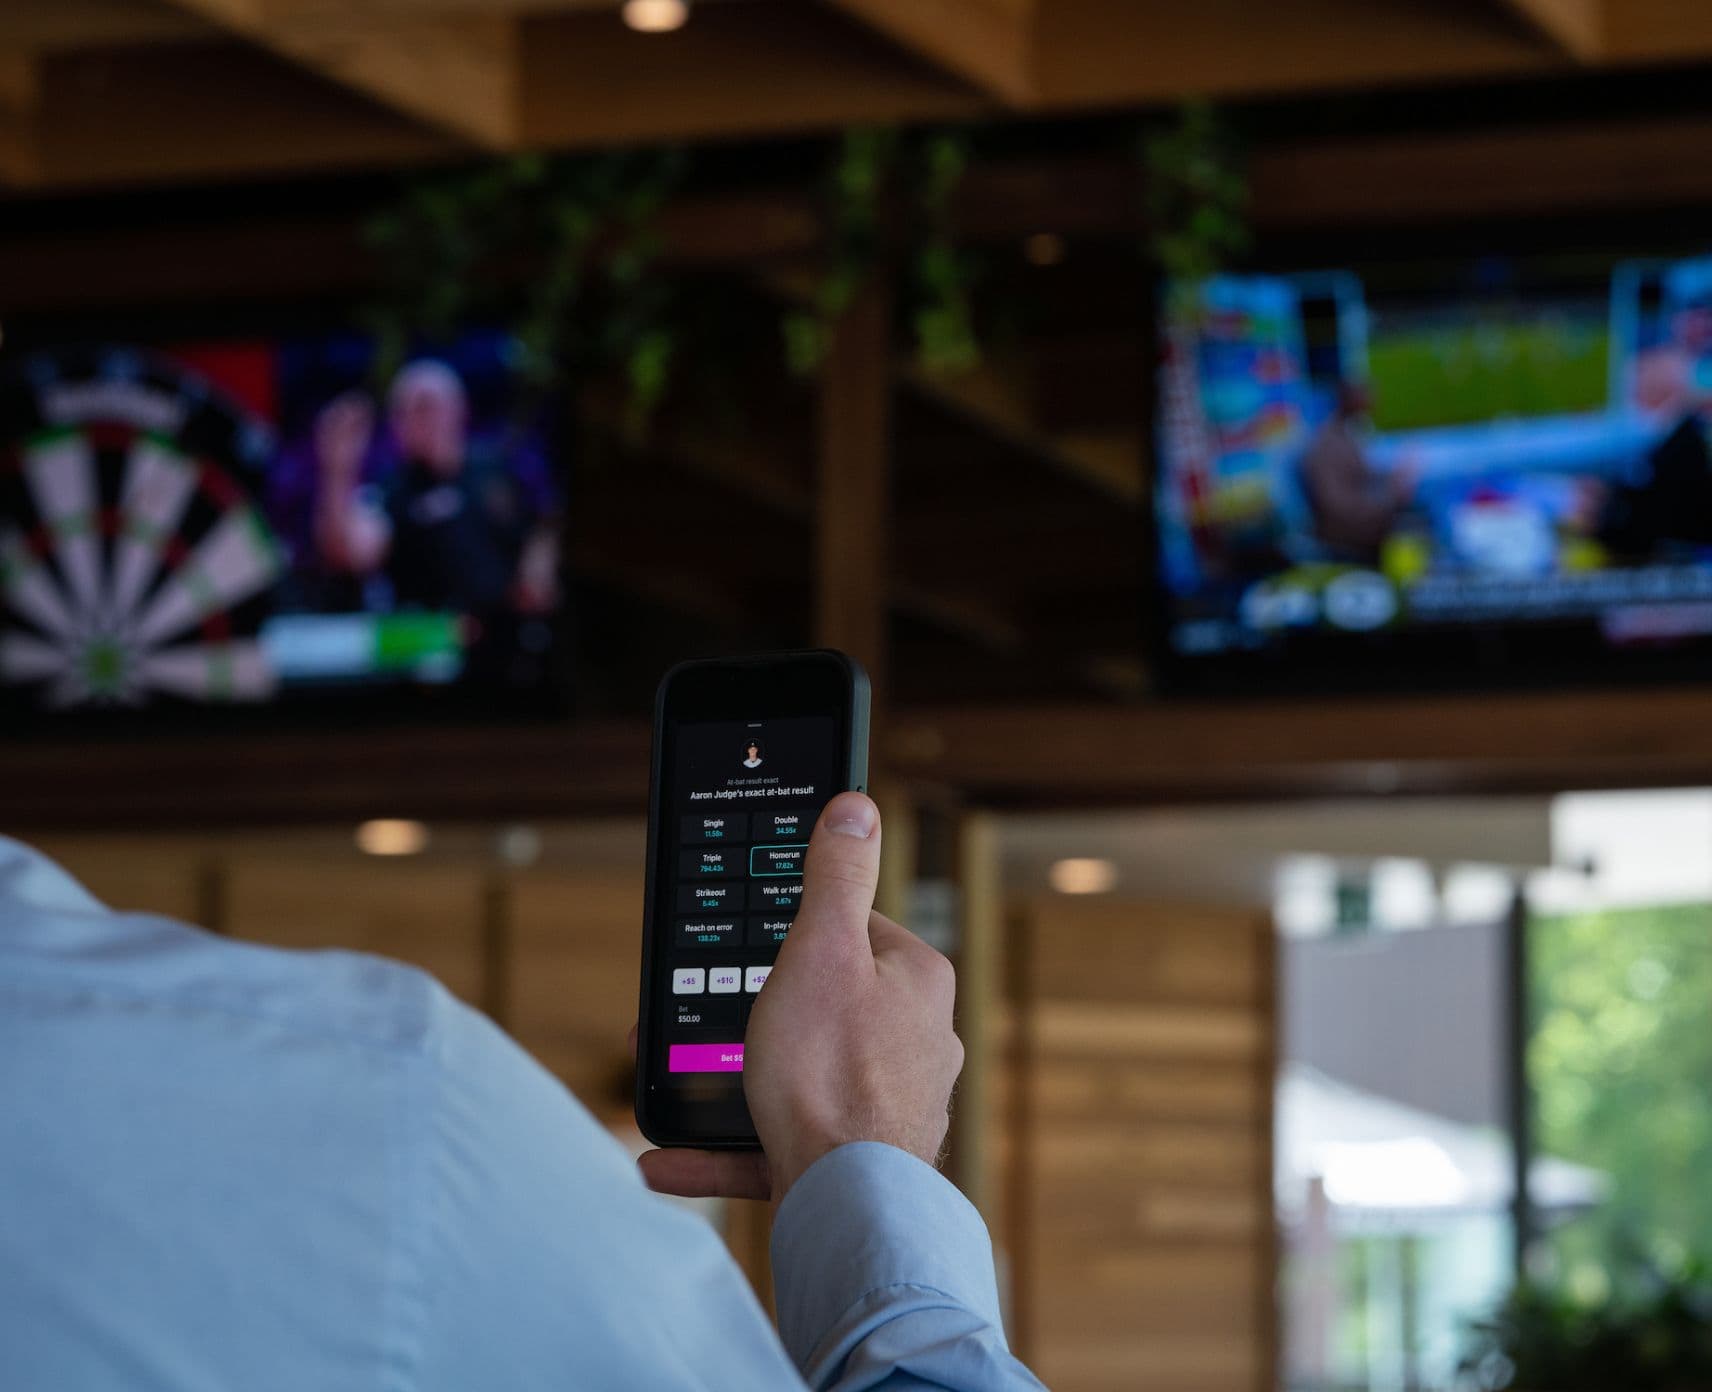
(1082, 876)
(655, 16)
(392, 836)
(1043, 249)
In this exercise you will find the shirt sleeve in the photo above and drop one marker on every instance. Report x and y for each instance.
(883, 1277)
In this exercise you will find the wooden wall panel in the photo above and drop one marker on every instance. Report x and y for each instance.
(573, 960)
(1139, 1098)
(163, 875)
(431, 915)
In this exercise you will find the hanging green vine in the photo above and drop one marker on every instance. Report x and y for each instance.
(944, 274)
(559, 250)
(856, 188)
(885, 187)
(1197, 194)
(564, 250)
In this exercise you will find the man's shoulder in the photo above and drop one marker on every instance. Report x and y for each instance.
(352, 996)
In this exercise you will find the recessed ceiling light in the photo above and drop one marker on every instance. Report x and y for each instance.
(392, 836)
(1080, 875)
(1044, 249)
(655, 16)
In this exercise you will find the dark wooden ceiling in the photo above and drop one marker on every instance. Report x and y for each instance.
(107, 92)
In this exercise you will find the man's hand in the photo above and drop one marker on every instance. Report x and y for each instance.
(851, 1037)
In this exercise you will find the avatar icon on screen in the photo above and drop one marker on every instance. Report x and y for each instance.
(752, 755)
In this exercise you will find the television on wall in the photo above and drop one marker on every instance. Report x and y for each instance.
(1437, 472)
(270, 523)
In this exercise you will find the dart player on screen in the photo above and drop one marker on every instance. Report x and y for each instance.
(473, 524)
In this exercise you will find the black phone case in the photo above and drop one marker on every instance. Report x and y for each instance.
(854, 777)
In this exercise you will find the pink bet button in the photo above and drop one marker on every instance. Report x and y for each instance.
(704, 1058)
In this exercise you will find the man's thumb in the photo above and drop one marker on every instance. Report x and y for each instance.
(841, 871)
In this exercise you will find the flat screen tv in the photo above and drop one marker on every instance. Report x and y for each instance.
(269, 523)
(1436, 473)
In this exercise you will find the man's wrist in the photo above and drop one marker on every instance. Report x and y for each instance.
(868, 1217)
(802, 1156)
(798, 1158)
(786, 1172)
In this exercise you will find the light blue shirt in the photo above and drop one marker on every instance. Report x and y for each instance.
(226, 1167)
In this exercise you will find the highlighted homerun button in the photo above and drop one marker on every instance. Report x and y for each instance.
(704, 1058)
(776, 860)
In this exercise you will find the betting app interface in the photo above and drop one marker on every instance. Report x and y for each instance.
(744, 796)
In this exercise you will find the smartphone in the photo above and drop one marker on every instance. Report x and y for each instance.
(747, 751)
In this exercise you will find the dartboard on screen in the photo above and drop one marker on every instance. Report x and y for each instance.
(135, 563)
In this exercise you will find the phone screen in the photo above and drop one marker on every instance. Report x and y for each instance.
(737, 800)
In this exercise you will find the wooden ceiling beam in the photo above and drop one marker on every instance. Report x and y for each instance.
(1065, 556)
(209, 779)
(218, 110)
(415, 9)
(454, 73)
(1466, 175)
(1657, 30)
(45, 26)
(1106, 52)
(674, 591)
(746, 466)
(1622, 31)
(1575, 26)
(213, 111)
(579, 78)
(986, 627)
(1084, 755)
(582, 79)
(773, 482)
(1112, 466)
(985, 398)
(19, 115)
(1035, 755)
(320, 253)
(764, 67)
(987, 43)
